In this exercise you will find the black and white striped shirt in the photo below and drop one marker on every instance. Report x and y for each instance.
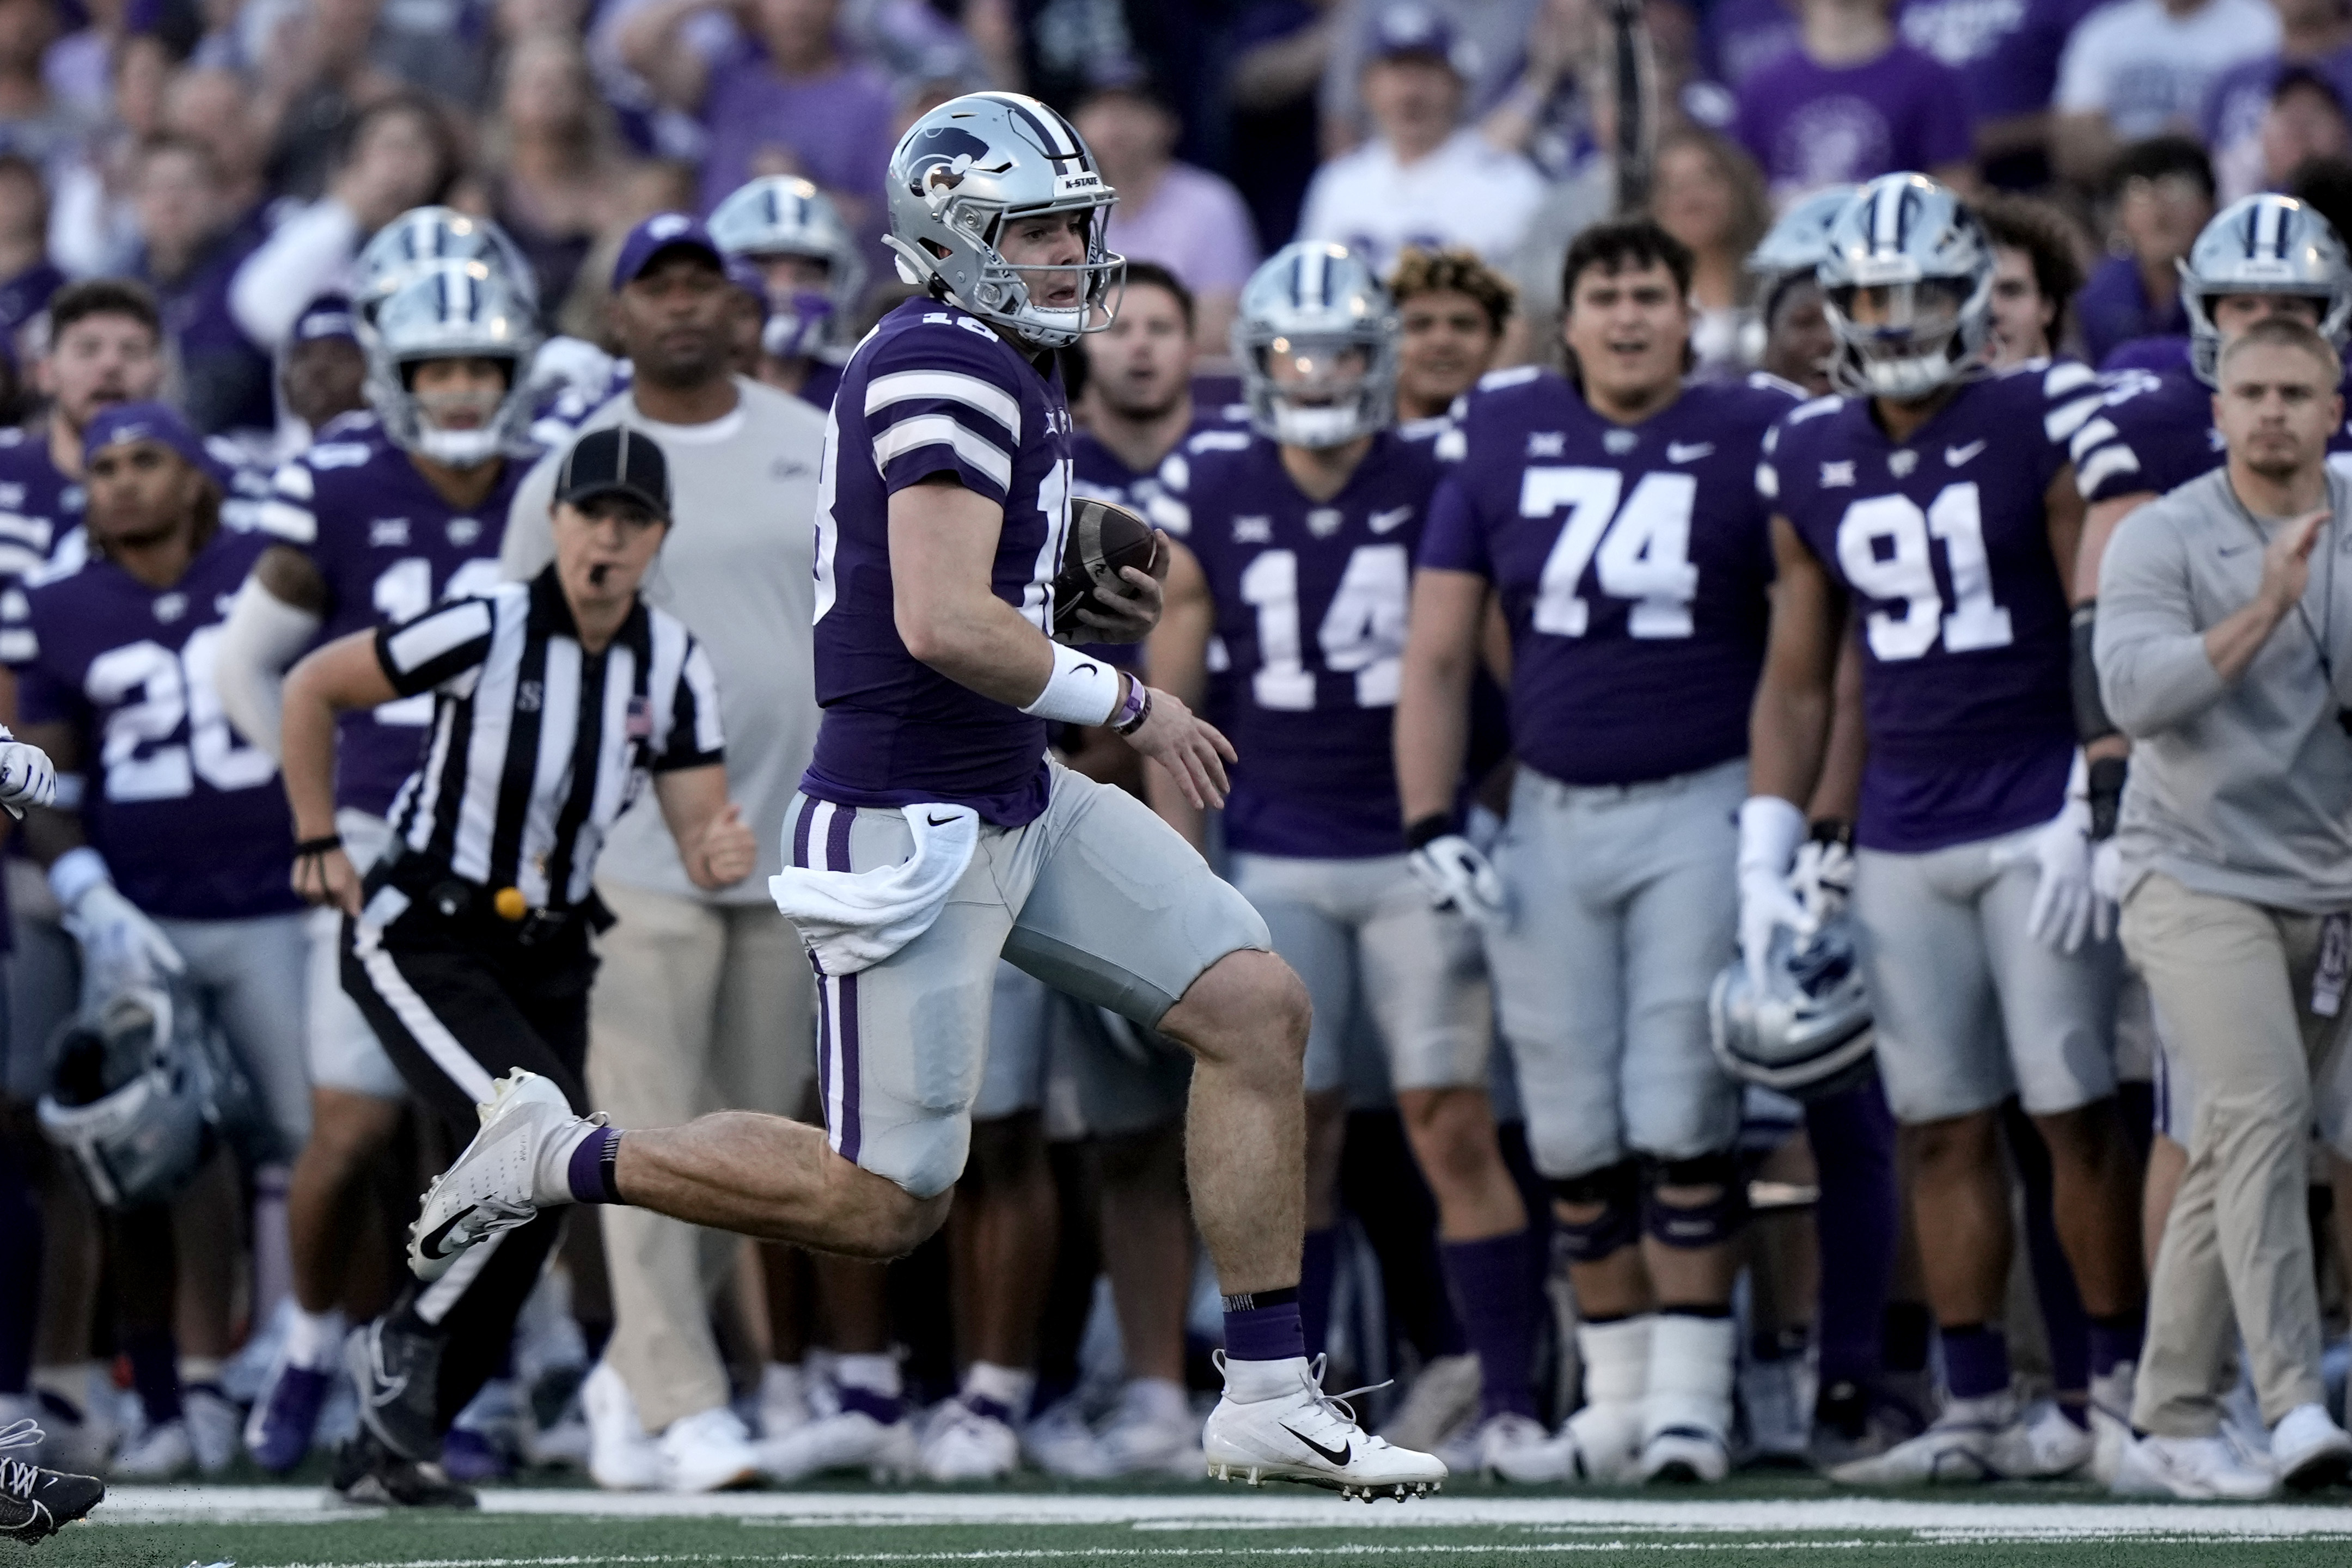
(536, 745)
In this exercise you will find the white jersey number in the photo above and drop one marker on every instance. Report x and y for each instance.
(1639, 551)
(1362, 633)
(1907, 572)
(174, 689)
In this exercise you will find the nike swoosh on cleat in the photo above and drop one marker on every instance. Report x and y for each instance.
(1338, 1456)
(430, 1245)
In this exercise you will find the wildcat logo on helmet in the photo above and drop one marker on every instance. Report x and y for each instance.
(939, 157)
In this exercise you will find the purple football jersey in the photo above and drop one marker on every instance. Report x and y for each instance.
(2167, 352)
(389, 549)
(2152, 434)
(191, 817)
(40, 508)
(1310, 609)
(1632, 563)
(932, 390)
(1944, 542)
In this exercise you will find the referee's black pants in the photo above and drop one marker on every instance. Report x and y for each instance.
(457, 1001)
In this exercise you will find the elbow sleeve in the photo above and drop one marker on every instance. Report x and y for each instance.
(263, 636)
(2091, 720)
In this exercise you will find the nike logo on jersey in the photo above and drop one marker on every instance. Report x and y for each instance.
(431, 1244)
(1957, 456)
(1547, 443)
(1676, 452)
(1338, 1456)
(1389, 521)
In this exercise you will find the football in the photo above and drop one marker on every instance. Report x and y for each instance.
(1104, 537)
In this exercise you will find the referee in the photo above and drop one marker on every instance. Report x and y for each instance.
(468, 945)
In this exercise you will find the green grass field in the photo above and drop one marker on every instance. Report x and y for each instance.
(1772, 1520)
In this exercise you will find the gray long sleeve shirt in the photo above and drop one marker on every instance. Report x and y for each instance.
(2242, 789)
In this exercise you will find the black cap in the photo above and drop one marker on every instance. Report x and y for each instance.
(617, 461)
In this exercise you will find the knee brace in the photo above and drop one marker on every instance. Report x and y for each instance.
(1618, 1190)
(1708, 1223)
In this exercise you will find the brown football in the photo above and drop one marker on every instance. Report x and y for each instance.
(1104, 537)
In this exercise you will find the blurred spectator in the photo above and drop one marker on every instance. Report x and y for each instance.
(35, 122)
(214, 106)
(1483, 41)
(27, 277)
(2007, 54)
(2314, 35)
(92, 229)
(1745, 36)
(1279, 50)
(2326, 185)
(1853, 102)
(1188, 220)
(550, 157)
(1707, 194)
(192, 242)
(79, 67)
(2035, 273)
(1426, 179)
(2163, 194)
(317, 77)
(1452, 311)
(2138, 68)
(1548, 115)
(783, 100)
(2305, 120)
(401, 157)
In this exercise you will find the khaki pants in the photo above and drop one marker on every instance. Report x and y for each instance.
(699, 1008)
(2232, 982)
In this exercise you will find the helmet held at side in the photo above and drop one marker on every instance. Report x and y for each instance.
(1908, 283)
(1316, 337)
(1807, 1033)
(452, 310)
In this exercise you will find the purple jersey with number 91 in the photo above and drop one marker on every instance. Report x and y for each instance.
(1944, 542)
(1310, 606)
(1632, 562)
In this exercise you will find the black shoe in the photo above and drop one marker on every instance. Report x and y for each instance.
(367, 1472)
(34, 1503)
(397, 1371)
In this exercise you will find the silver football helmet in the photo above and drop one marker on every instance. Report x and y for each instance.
(1908, 283)
(423, 236)
(965, 170)
(1799, 239)
(1307, 309)
(1807, 1033)
(779, 214)
(451, 310)
(2263, 244)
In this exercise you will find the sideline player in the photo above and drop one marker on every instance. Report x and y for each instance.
(1937, 497)
(949, 458)
(1296, 558)
(1452, 311)
(814, 278)
(374, 525)
(1616, 516)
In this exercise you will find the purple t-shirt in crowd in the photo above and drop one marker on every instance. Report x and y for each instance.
(1310, 606)
(190, 816)
(1745, 36)
(1809, 125)
(2113, 307)
(1194, 225)
(389, 549)
(1944, 543)
(837, 127)
(1632, 562)
(2007, 50)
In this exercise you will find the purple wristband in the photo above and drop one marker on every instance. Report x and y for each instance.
(1134, 707)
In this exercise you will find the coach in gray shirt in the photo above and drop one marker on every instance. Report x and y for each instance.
(2224, 649)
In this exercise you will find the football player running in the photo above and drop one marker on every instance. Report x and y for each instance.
(376, 524)
(1297, 548)
(1616, 518)
(1936, 498)
(792, 235)
(932, 833)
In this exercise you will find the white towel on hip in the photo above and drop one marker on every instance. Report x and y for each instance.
(852, 920)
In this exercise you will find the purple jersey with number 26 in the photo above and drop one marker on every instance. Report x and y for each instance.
(1944, 543)
(1632, 562)
(932, 390)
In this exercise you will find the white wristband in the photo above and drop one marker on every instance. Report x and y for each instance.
(75, 873)
(1081, 690)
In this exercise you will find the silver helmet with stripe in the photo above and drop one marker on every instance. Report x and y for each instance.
(1907, 282)
(421, 237)
(1799, 237)
(452, 310)
(2263, 244)
(1807, 1030)
(966, 171)
(784, 215)
(1315, 335)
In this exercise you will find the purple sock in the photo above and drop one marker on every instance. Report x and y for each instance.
(1975, 1361)
(1858, 1221)
(154, 1372)
(883, 1408)
(2116, 1340)
(1265, 1325)
(590, 1170)
(1489, 1280)
(1318, 1260)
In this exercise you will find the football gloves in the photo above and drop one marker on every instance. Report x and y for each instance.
(1458, 876)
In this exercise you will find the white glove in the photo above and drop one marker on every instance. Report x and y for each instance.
(2067, 905)
(1823, 879)
(1770, 831)
(120, 947)
(1458, 876)
(27, 776)
(2107, 886)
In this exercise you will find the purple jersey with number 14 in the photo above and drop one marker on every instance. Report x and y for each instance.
(932, 392)
(1632, 562)
(1944, 542)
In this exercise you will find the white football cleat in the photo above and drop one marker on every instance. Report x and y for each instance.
(968, 1444)
(1311, 1437)
(2111, 1432)
(158, 1453)
(2196, 1469)
(1442, 1398)
(1153, 1432)
(2309, 1451)
(2042, 1445)
(1602, 1442)
(621, 1457)
(1958, 1448)
(1684, 1453)
(784, 1398)
(1516, 1448)
(848, 1440)
(707, 1451)
(493, 1185)
(1059, 1442)
(215, 1427)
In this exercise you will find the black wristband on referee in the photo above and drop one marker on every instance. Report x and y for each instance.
(308, 847)
(1418, 833)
